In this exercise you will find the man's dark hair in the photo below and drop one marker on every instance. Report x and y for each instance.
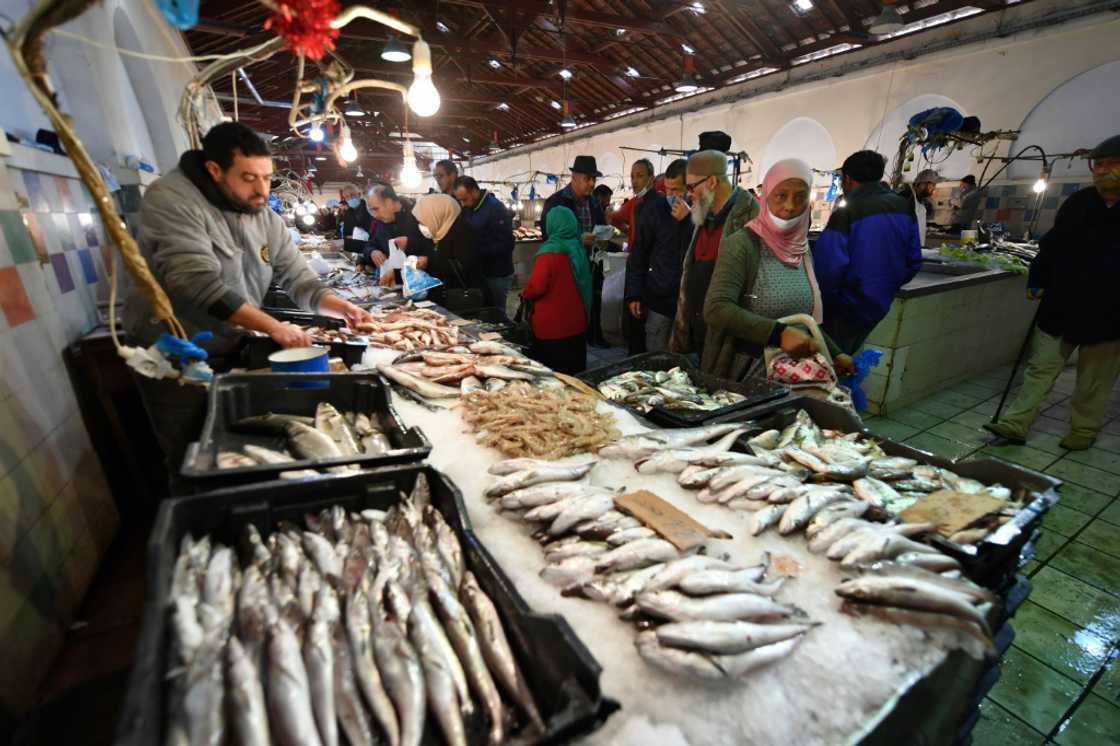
(969, 179)
(222, 140)
(866, 167)
(603, 189)
(677, 169)
(468, 183)
(648, 165)
(447, 166)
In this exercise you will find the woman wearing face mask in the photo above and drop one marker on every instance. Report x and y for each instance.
(762, 274)
(454, 260)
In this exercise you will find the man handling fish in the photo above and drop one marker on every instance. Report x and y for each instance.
(210, 240)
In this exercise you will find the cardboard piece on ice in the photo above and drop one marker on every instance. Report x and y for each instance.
(951, 511)
(677, 527)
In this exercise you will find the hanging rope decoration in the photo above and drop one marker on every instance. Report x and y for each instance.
(305, 25)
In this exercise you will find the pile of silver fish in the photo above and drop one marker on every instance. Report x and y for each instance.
(702, 616)
(368, 626)
(792, 474)
(667, 389)
(329, 434)
(481, 366)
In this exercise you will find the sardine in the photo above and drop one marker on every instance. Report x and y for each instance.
(672, 572)
(324, 556)
(588, 507)
(678, 607)
(726, 638)
(676, 661)
(318, 657)
(443, 694)
(537, 475)
(635, 555)
(447, 543)
(765, 518)
(461, 632)
(289, 694)
(805, 507)
(416, 384)
(675, 460)
(708, 582)
(250, 718)
(401, 671)
(543, 494)
(514, 465)
(643, 444)
(361, 654)
(348, 701)
(496, 649)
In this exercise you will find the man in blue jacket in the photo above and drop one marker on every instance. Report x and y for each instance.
(493, 239)
(869, 249)
(653, 269)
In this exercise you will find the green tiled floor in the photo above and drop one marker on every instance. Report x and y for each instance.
(1060, 681)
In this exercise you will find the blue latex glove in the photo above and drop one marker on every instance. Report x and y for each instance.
(863, 362)
(174, 348)
(1034, 293)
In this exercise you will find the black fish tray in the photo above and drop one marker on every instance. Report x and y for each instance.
(993, 561)
(490, 320)
(234, 396)
(756, 390)
(561, 672)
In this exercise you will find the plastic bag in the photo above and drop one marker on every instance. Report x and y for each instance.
(864, 362)
(415, 280)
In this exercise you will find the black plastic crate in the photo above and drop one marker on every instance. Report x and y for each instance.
(494, 320)
(993, 561)
(756, 390)
(560, 671)
(237, 395)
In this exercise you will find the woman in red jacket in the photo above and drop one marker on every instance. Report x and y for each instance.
(560, 290)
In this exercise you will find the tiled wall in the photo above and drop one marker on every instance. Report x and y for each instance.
(56, 514)
(1013, 204)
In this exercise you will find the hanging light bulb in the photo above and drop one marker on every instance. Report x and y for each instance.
(567, 122)
(360, 175)
(410, 174)
(316, 133)
(309, 219)
(423, 97)
(688, 83)
(394, 51)
(1043, 180)
(889, 21)
(346, 149)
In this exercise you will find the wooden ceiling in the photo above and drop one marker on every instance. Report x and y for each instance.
(498, 64)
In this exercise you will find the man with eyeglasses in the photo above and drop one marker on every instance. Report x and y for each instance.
(1074, 276)
(719, 209)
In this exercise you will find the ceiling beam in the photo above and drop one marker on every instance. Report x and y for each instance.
(529, 9)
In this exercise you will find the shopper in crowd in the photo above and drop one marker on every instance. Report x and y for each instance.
(922, 194)
(653, 269)
(1075, 275)
(357, 225)
(719, 210)
(763, 274)
(869, 249)
(576, 196)
(395, 222)
(493, 236)
(560, 291)
(445, 173)
(641, 182)
(967, 204)
(603, 195)
(454, 259)
(211, 242)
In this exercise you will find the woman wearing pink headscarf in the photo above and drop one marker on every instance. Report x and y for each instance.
(762, 274)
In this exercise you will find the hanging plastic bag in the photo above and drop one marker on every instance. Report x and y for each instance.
(182, 14)
(416, 281)
(863, 362)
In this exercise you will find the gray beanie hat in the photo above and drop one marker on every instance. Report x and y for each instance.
(1110, 148)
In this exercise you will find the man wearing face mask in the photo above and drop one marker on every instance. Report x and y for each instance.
(1075, 275)
(395, 219)
(719, 210)
(641, 182)
(357, 225)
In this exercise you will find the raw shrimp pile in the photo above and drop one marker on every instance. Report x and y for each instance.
(520, 420)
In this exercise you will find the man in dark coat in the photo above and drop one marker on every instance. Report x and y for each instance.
(1075, 275)
(357, 226)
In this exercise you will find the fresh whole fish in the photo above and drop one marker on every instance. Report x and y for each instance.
(443, 695)
(269, 424)
(676, 661)
(310, 442)
(401, 671)
(361, 654)
(417, 384)
(765, 518)
(672, 572)
(233, 460)
(495, 648)
(835, 531)
(743, 663)
(767, 440)
(887, 546)
(318, 657)
(678, 607)
(447, 543)
(289, 693)
(579, 509)
(708, 582)
(671, 389)
(514, 465)
(635, 555)
(835, 512)
(250, 718)
(726, 638)
(575, 549)
(537, 475)
(923, 620)
(330, 421)
(643, 444)
(928, 561)
(351, 712)
(543, 494)
(324, 556)
(675, 460)
(627, 535)
(908, 593)
(570, 571)
(974, 592)
(895, 467)
(805, 507)
(875, 492)
(266, 456)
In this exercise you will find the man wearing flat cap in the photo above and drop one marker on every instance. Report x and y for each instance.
(577, 197)
(1075, 276)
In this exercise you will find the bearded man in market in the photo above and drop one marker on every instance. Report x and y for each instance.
(653, 268)
(212, 243)
(1074, 277)
(718, 211)
(577, 197)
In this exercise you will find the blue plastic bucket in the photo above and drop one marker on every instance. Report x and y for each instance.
(302, 360)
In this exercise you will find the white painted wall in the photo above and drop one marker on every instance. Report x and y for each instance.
(1001, 80)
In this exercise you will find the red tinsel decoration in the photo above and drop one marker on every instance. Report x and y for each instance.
(306, 25)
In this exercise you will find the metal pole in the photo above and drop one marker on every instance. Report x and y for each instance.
(1018, 362)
